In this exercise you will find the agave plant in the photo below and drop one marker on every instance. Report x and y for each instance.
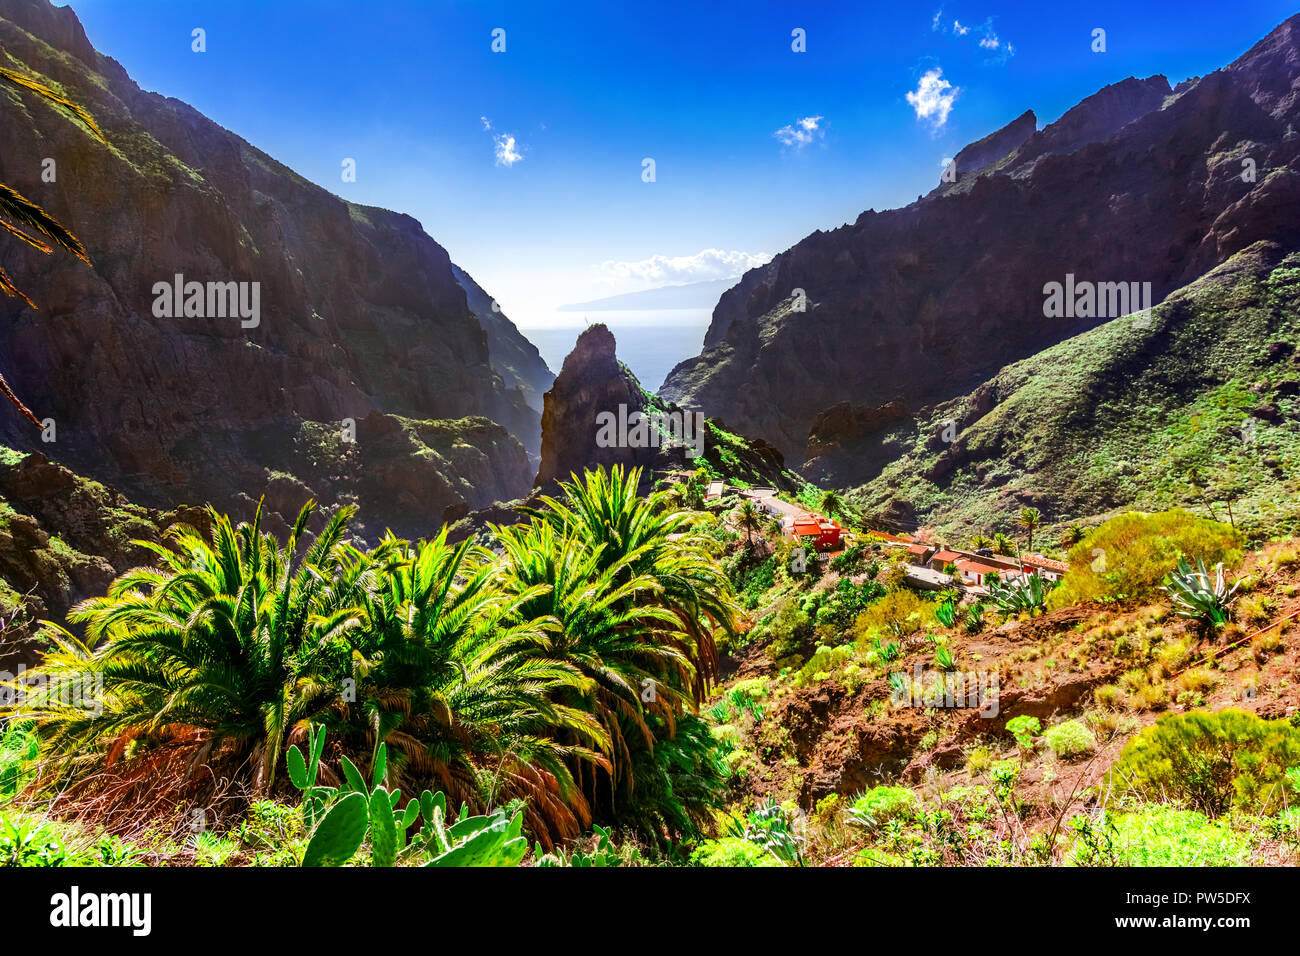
(1198, 596)
(887, 651)
(946, 613)
(1024, 596)
(770, 827)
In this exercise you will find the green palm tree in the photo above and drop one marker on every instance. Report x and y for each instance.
(1002, 545)
(27, 222)
(633, 658)
(638, 600)
(831, 504)
(449, 677)
(749, 520)
(980, 541)
(1072, 536)
(661, 544)
(233, 641)
(1030, 519)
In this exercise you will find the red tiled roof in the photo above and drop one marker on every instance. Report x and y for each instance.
(918, 548)
(1038, 561)
(976, 567)
(946, 556)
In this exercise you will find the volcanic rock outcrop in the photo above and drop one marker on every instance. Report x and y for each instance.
(593, 383)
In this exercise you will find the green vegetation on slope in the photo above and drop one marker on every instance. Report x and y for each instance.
(1198, 407)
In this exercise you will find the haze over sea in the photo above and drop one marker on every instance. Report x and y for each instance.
(650, 343)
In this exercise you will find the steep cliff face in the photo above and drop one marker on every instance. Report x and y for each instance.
(971, 159)
(513, 357)
(1137, 184)
(362, 323)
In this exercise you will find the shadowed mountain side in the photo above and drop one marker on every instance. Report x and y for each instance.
(360, 314)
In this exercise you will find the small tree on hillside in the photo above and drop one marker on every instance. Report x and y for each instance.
(749, 520)
(831, 503)
(1030, 519)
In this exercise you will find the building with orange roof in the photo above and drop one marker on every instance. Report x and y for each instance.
(822, 534)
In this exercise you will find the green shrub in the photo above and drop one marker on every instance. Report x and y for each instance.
(898, 614)
(785, 631)
(1211, 762)
(731, 851)
(18, 753)
(879, 805)
(27, 841)
(848, 562)
(840, 606)
(1024, 728)
(1129, 556)
(1167, 837)
(1070, 739)
(871, 856)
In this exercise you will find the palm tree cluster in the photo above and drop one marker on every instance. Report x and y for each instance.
(563, 665)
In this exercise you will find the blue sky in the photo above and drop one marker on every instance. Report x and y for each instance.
(755, 145)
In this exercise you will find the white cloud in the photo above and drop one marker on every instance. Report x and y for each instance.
(507, 152)
(504, 147)
(801, 132)
(985, 35)
(933, 98)
(704, 265)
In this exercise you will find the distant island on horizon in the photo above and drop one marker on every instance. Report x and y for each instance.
(692, 295)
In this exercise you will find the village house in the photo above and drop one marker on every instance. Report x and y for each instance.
(919, 554)
(973, 568)
(974, 572)
(942, 558)
(1048, 568)
(817, 532)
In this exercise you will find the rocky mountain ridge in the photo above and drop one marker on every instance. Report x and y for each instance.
(362, 326)
(1138, 183)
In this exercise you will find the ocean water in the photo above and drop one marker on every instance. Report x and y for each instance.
(649, 343)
